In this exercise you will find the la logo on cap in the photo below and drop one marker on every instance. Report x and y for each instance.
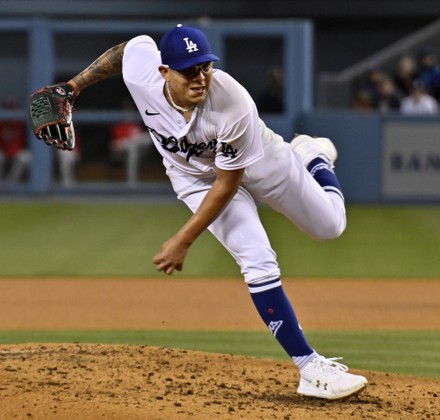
(190, 46)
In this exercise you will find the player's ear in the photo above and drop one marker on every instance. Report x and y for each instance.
(164, 71)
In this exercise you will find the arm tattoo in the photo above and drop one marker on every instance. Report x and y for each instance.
(108, 64)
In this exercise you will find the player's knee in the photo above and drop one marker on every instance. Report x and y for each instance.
(331, 227)
(327, 236)
(328, 229)
(329, 232)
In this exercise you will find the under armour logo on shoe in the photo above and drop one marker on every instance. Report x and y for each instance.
(324, 385)
(274, 326)
(190, 46)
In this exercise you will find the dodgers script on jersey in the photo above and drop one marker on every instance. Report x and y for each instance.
(219, 134)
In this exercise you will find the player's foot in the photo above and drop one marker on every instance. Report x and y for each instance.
(328, 379)
(310, 148)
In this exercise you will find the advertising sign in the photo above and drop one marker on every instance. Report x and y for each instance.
(411, 160)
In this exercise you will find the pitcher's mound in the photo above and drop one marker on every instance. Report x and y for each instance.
(79, 381)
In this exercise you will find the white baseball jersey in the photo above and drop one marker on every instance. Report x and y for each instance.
(226, 132)
(220, 133)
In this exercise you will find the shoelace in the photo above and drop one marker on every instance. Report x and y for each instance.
(329, 365)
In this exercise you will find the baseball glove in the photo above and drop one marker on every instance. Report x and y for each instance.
(50, 114)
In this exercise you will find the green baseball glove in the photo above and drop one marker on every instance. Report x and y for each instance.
(50, 115)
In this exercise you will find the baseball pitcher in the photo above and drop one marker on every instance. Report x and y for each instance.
(221, 158)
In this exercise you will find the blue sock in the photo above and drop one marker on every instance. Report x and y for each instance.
(323, 173)
(277, 313)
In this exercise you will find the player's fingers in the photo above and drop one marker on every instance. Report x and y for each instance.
(169, 270)
(166, 268)
(158, 262)
(162, 265)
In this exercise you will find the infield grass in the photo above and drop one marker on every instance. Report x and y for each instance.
(405, 352)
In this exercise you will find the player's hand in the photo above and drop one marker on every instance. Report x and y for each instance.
(171, 256)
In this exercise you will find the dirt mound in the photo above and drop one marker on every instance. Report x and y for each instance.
(78, 381)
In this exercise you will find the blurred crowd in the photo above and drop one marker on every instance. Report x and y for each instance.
(412, 87)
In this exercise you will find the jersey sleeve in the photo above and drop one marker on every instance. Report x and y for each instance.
(141, 57)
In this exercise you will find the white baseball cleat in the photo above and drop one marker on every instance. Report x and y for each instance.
(328, 379)
(310, 148)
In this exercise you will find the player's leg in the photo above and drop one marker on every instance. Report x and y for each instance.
(318, 156)
(240, 230)
(135, 150)
(311, 200)
(131, 150)
(67, 162)
(20, 165)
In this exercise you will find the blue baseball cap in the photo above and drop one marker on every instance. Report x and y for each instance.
(185, 46)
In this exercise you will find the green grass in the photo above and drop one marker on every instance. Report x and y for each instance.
(38, 239)
(405, 352)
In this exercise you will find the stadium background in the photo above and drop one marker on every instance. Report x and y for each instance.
(324, 55)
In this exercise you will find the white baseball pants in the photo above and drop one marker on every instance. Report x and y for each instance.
(279, 180)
